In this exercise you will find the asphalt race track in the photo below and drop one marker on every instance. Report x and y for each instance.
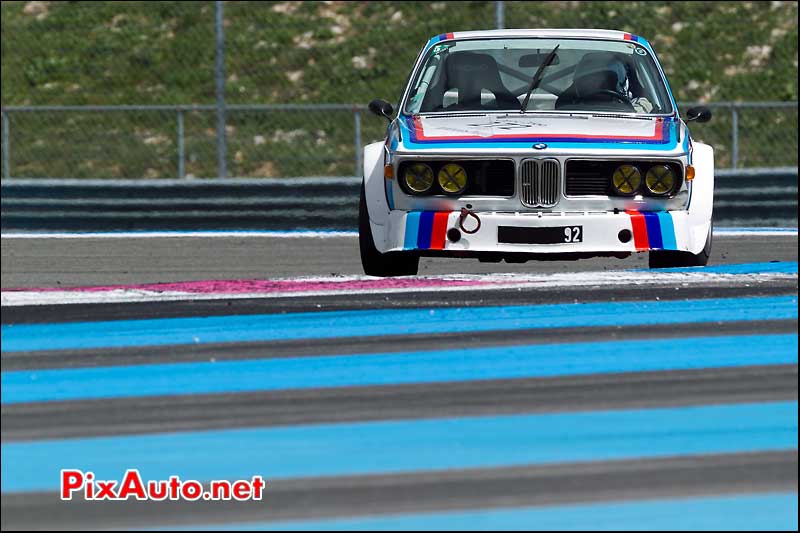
(549, 395)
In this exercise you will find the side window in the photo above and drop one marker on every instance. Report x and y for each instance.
(426, 79)
(648, 87)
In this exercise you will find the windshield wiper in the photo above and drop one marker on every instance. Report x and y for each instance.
(634, 116)
(537, 78)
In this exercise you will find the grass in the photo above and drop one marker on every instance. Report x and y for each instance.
(78, 53)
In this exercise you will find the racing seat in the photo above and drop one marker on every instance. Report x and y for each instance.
(597, 76)
(470, 72)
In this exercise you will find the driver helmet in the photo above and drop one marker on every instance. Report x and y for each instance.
(610, 69)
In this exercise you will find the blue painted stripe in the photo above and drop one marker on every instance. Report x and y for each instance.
(412, 228)
(389, 193)
(504, 362)
(686, 144)
(653, 230)
(777, 267)
(745, 512)
(667, 230)
(408, 445)
(734, 229)
(425, 230)
(337, 324)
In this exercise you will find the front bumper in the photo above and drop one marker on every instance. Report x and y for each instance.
(602, 233)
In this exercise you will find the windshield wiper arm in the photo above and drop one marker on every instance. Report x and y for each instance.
(537, 78)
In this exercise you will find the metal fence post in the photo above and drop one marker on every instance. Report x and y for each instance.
(500, 14)
(222, 148)
(181, 151)
(6, 144)
(734, 136)
(357, 124)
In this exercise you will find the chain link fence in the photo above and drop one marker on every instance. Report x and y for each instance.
(290, 79)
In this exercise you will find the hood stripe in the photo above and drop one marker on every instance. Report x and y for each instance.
(662, 134)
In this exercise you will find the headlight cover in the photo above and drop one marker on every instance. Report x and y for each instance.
(452, 178)
(626, 180)
(418, 178)
(660, 180)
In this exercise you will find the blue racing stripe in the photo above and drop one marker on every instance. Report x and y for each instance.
(735, 229)
(408, 445)
(425, 230)
(389, 193)
(740, 512)
(412, 228)
(777, 267)
(504, 362)
(653, 230)
(337, 324)
(667, 230)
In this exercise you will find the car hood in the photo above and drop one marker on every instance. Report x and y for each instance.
(555, 131)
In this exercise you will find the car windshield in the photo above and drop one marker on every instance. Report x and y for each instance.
(496, 74)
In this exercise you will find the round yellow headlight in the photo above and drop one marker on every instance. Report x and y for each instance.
(452, 178)
(626, 180)
(418, 177)
(660, 180)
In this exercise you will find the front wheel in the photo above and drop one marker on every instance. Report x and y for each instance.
(378, 264)
(670, 258)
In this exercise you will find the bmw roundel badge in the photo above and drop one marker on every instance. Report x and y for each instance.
(539, 146)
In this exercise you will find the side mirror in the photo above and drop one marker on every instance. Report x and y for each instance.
(382, 108)
(698, 114)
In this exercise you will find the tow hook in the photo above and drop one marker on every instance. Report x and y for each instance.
(467, 213)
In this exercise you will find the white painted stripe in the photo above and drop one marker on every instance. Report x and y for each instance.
(138, 183)
(481, 283)
(173, 234)
(296, 234)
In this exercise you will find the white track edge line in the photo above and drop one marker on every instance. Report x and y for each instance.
(33, 298)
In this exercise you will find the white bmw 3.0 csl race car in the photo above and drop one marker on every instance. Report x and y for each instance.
(536, 144)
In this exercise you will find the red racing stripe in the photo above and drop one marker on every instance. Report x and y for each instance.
(639, 224)
(439, 230)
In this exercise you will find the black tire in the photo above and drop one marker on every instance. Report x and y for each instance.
(374, 262)
(670, 259)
